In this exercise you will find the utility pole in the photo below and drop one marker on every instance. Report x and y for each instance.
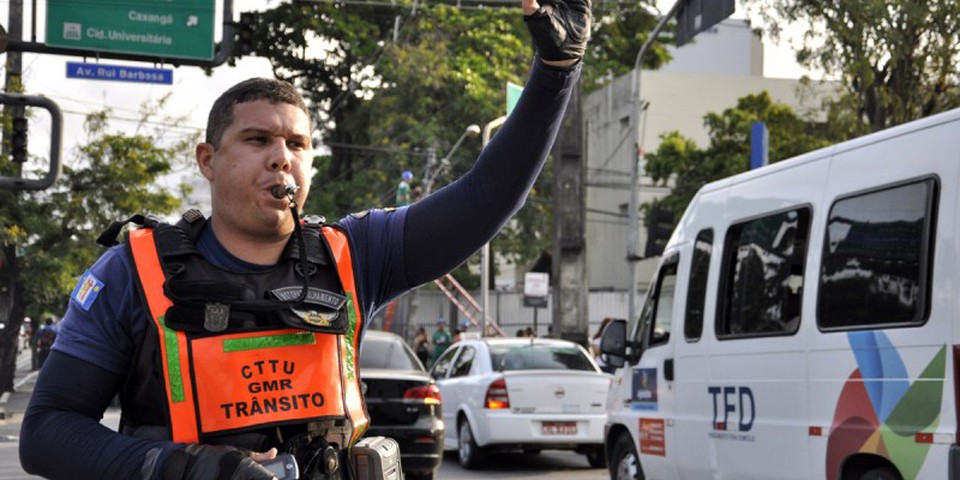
(571, 317)
(13, 82)
(11, 309)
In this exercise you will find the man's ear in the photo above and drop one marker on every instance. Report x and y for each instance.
(204, 154)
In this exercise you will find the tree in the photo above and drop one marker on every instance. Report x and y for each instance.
(410, 89)
(897, 60)
(617, 37)
(400, 80)
(49, 237)
(690, 167)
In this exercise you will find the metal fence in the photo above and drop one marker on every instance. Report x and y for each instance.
(423, 307)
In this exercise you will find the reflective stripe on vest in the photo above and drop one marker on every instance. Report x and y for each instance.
(349, 347)
(257, 378)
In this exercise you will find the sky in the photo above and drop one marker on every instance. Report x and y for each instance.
(192, 92)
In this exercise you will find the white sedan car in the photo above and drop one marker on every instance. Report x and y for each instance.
(525, 394)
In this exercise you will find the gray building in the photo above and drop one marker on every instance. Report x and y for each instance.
(724, 64)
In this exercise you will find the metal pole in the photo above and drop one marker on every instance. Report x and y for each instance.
(485, 251)
(433, 171)
(632, 235)
(13, 81)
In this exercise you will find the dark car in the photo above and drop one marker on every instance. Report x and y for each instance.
(403, 402)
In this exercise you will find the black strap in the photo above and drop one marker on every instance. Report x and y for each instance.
(318, 252)
(173, 241)
(109, 236)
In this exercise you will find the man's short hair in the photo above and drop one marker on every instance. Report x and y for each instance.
(272, 90)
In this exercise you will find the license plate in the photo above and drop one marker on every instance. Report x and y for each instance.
(559, 428)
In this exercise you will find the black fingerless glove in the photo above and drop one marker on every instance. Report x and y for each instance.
(212, 462)
(563, 33)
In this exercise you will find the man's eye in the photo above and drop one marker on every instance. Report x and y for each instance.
(257, 140)
(295, 145)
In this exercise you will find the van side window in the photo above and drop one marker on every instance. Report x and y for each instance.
(697, 288)
(877, 258)
(762, 275)
(657, 313)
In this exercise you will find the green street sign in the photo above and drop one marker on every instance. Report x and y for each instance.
(161, 28)
(513, 95)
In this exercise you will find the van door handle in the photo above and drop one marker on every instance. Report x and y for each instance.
(668, 369)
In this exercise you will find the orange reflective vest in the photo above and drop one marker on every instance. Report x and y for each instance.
(236, 382)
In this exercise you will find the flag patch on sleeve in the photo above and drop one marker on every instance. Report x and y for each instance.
(87, 290)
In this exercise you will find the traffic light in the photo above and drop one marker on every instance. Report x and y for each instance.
(18, 137)
(245, 37)
(15, 139)
(659, 228)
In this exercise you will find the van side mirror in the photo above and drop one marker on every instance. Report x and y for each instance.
(613, 343)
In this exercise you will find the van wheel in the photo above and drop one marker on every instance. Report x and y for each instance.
(596, 457)
(625, 464)
(468, 452)
(880, 473)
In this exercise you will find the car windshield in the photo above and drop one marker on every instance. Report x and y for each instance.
(388, 353)
(534, 356)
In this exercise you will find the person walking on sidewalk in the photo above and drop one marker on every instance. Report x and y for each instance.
(196, 324)
(46, 336)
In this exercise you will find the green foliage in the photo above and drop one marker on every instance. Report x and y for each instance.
(617, 37)
(896, 59)
(690, 167)
(112, 176)
(394, 82)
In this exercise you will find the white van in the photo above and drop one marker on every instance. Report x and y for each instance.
(804, 322)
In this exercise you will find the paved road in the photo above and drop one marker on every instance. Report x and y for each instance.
(13, 405)
(552, 465)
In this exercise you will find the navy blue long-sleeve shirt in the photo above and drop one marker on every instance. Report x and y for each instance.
(394, 251)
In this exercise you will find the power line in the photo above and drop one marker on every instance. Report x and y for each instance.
(371, 148)
(140, 121)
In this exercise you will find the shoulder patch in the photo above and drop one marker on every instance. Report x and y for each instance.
(359, 215)
(88, 288)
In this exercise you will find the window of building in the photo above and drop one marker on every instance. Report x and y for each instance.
(762, 275)
(877, 258)
(697, 287)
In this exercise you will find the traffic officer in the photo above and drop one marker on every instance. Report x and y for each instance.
(233, 337)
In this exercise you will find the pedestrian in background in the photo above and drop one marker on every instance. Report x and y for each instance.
(421, 345)
(441, 338)
(46, 336)
(595, 344)
(404, 192)
(26, 332)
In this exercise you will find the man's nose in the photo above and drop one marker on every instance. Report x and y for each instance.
(281, 157)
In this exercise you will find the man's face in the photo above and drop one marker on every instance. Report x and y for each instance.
(265, 146)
